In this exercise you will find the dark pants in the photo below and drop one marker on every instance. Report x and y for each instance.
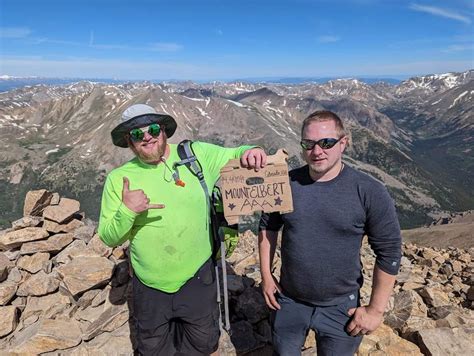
(292, 322)
(181, 323)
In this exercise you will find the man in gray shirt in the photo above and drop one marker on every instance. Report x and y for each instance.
(334, 207)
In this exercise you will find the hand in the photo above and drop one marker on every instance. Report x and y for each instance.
(136, 200)
(255, 158)
(364, 320)
(269, 287)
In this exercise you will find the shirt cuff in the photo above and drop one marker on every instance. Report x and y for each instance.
(390, 266)
(123, 209)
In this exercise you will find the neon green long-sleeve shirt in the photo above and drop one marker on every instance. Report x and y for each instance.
(167, 246)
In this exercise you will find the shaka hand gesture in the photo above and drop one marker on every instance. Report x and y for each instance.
(136, 200)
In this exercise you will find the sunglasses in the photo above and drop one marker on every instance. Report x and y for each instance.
(324, 143)
(138, 134)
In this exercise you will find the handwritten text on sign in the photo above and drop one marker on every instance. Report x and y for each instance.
(245, 191)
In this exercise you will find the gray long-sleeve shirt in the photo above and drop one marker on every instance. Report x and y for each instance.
(322, 237)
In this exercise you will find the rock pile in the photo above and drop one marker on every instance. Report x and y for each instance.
(432, 305)
(60, 286)
(62, 291)
(453, 218)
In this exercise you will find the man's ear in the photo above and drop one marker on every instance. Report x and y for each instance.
(129, 142)
(344, 143)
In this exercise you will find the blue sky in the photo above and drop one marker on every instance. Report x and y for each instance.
(207, 40)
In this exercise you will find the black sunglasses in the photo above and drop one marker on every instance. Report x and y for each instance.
(138, 134)
(324, 143)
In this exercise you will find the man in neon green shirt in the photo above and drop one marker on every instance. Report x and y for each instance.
(166, 220)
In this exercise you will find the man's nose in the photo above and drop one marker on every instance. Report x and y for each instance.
(317, 150)
(147, 136)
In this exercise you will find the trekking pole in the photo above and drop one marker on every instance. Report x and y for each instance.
(225, 291)
(219, 300)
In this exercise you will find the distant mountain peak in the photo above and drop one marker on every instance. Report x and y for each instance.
(434, 83)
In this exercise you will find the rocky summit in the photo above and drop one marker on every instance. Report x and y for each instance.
(62, 291)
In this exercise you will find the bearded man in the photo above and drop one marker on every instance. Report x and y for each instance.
(166, 221)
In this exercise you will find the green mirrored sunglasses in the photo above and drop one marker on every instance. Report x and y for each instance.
(138, 134)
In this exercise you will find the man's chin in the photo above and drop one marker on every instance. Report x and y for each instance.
(151, 153)
(318, 168)
(150, 157)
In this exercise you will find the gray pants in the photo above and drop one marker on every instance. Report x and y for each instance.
(291, 324)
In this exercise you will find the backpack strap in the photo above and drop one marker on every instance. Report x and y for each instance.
(189, 159)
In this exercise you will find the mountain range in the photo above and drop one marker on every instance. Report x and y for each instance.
(416, 136)
(8, 82)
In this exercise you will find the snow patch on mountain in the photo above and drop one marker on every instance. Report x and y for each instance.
(458, 98)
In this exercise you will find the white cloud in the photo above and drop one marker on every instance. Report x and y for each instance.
(165, 47)
(459, 48)
(114, 47)
(445, 44)
(147, 70)
(40, 40)
(154, 47)
(437, 11)
(416, 67)
(24, 32)
(102, 68)
(328, 39)
(462, 38)
(14, 32)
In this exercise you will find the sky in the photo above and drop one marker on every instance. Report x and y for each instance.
(225, 40)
